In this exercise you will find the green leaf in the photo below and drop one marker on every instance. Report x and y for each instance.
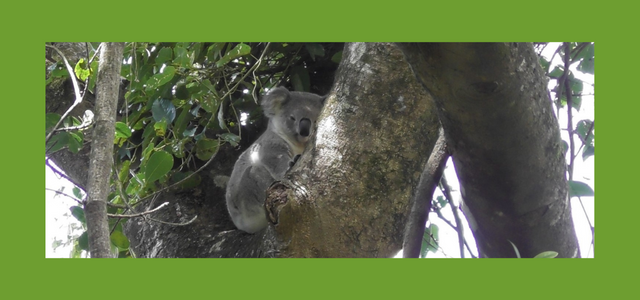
(75, 141)
(587, 63)
(135, 184)
(544, 63)
(58, 70)
(83, 241)
(429, 240)
(579, 189)
(160, 127)
(300, 79)
(576, 88)
(588, 151)
(124, 171)
(163, 109)
(77, 193)
(209, 104)
(314, 50)
(182, 57)
(147, 143)
(120, 240)
(556, 72)
(181, 92)
(190, 183)
(158, 165)
(209, 87)
(183, 120)
(215, 51)
(221, 121)
(81, 70)
(78, 213)
(582, 129)
(237, 51)
(58, 141)
(189, 132)
(576, 102)
(177, 147)
(337, 58)
(433, 245)
(160, 79)
(94, 76)
(442, 202)
(206, 148)
(197, 53)
(51, 119)
(164, 55)
(424, 247)
(71, 121)
(547, 254)
(122, 130)
(230, 138)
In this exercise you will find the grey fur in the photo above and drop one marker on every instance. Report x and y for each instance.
(292, 117)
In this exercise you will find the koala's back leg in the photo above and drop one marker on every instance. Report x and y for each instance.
(246, 202)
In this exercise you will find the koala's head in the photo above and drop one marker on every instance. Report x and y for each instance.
(292, 115)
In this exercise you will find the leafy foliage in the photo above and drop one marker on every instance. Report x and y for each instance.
(183, 101)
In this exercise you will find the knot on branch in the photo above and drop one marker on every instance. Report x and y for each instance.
(276, 199)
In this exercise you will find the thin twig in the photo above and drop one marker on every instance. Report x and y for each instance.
(584, 142)
(441, 216)
(585, 214)
(63, 175)
(447, 192)
(66, 195)
(139, 214)
(175, 224)
(567, 90)
(257, 64)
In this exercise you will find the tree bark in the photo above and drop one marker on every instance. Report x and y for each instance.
(505, 142)
(101, 157)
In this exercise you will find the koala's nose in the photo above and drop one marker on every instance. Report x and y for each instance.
(304, 128)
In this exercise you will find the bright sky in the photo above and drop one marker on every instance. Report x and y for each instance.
(62, 226)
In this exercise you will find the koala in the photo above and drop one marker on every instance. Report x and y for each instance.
(292, 116)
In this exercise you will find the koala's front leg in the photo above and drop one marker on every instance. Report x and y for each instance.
(293, 161)
(276, 159)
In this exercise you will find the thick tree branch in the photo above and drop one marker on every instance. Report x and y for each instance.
(493, 105)
(421, 202)
(101, 157)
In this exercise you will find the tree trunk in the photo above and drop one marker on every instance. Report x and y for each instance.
(348, 196)
(101, 156)
(505, 142)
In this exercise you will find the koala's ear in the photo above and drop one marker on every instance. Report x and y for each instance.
(273, 100)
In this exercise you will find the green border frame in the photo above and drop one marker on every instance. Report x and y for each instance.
(33, 275)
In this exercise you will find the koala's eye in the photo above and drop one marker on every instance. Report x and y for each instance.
(292, 118)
